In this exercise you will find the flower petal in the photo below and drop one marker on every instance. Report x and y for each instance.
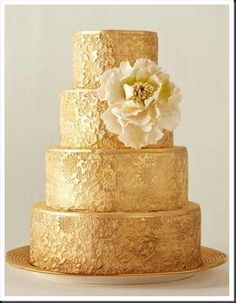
(154, 80)
(148, 101)
(102, 93)
(133, 136)
(125, 68)
(175, 95)
(147, 65)
(124, 112)
(111, 122)
(138, 124)
(142, 75)
(141, 118)
(115, 92)
(147, 127)
(154, 135)
(110, 89)
(129, 91)
(169, 116)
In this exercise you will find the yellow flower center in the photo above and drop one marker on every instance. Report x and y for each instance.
(142, 91)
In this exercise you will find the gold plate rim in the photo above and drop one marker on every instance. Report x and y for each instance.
(111, 31)
(118, 152)
(19, 258)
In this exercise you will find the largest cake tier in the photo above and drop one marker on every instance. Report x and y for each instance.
(117, 242)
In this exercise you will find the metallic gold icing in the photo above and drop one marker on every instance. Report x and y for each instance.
(96, 51)
(111, 209)
(117, 180)
(210, 258)
(81, 125)
(117, 242)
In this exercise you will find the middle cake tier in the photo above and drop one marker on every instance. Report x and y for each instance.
(117, 180)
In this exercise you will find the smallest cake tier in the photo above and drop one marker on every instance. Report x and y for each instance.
(96, 51)
(81, 125)
(117, 180)
(115, 243)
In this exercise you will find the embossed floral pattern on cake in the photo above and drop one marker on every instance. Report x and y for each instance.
(102, 181)
(112, 243)
(117, 187)
(82, 126)
(142, 102)
(95, 52)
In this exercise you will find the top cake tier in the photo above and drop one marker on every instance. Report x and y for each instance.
(96, 51)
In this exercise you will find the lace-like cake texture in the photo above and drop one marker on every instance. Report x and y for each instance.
(112, 243)
(111, 209)
(95, 52)
(113, 180)
(82, 126)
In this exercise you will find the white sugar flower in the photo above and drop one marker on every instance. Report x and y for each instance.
(142, 102)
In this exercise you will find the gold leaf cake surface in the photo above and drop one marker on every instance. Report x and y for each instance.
(116, 242)
(110, 209)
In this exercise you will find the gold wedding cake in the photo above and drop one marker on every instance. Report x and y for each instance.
(117, 187)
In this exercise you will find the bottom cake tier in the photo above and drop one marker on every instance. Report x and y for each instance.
(115, 242)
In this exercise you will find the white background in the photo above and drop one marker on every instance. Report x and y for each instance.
(193, 48)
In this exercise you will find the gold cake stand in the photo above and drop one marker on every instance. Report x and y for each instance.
(19, 257)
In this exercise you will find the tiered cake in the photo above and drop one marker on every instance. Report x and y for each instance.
(110, 208)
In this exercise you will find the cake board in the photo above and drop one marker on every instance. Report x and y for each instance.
(19, 258)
